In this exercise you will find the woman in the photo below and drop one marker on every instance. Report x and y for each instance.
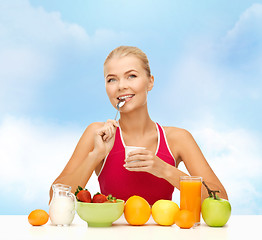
(151, 172)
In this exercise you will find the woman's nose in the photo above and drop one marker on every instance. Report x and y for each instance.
(123, 84)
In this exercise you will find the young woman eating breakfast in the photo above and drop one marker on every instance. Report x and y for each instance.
(150, 172)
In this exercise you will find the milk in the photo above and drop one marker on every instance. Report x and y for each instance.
(62, 210)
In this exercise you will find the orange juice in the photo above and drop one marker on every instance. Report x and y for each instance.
(190, 195)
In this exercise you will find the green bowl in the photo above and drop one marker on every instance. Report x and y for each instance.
(100, 214)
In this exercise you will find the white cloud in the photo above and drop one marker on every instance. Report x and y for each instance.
(242, 45)
(248, 27)
(32, 155)
(25, 24)
(235, 154)
(30, 39)
(235, 157)
(237, 148)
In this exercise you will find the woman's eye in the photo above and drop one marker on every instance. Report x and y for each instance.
(132, 76)
(111, 80)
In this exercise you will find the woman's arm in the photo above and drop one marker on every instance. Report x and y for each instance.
(93, 146)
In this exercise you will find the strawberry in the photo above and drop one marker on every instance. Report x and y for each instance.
(99, 198)
(83, 195)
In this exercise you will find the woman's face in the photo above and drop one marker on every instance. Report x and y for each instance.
(125, 78)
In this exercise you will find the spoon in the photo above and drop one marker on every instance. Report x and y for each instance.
(120, 104)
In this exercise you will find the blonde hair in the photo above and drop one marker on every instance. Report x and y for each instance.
(124, 51)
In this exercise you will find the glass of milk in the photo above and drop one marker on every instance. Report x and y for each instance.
(63, 205)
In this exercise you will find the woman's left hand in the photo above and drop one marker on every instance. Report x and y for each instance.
(143, 160)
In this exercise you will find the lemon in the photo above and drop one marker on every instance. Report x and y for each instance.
(164, 212)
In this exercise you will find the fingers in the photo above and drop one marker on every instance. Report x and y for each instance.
(106, 133)
(137, 163)
(138, 157)
(139, 166)
(108, 130)
(113, 122)
(138, 169)
(140, 154)
(140, 161)
(146, 162)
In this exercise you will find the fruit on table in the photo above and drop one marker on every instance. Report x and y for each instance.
(185, 219)
(99, 198)
(215, 211)
(137, 210)
(83, 195)
(38, 217)
(164, 212)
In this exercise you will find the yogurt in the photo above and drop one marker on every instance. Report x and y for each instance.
(129, 149)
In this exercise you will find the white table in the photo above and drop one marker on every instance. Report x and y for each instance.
(238, 227)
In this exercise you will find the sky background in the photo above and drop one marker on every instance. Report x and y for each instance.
(206, 57)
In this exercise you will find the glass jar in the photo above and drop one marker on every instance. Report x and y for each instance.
(63, 205)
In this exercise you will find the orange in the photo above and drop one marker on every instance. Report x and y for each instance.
(137, 210)
(38, 217)
(185, 219)
(164, 212)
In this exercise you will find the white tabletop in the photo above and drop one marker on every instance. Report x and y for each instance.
(238, 227)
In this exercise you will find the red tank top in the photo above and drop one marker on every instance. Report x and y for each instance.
(116, 180)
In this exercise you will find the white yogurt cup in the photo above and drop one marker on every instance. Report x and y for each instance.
(129, 149)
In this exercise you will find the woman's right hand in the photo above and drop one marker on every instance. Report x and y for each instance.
(105, 137)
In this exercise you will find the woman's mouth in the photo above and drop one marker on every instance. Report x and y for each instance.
(126, 98)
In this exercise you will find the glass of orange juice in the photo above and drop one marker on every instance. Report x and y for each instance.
(190, 195)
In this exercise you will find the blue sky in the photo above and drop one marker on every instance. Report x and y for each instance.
(206, 57)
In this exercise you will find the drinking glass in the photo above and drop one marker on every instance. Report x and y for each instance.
(190, 195)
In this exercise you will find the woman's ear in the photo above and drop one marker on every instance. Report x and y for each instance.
(151, 83)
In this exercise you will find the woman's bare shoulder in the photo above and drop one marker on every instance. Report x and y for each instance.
(86, 141)
(91, 129)
(94, 126)
(176, 138)
(176, 133)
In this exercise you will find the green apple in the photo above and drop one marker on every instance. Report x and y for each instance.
(215, 211)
